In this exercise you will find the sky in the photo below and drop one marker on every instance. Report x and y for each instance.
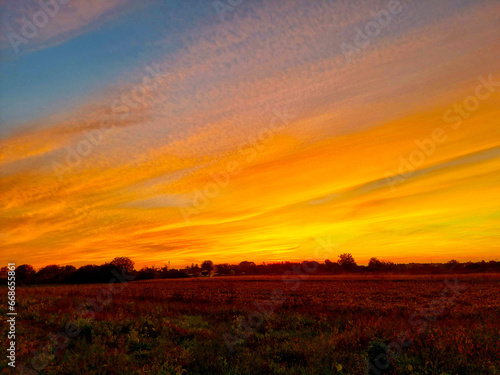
(180, 131)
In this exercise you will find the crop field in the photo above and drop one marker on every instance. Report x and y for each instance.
(447, 324)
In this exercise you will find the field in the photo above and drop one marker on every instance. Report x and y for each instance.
(263, 325)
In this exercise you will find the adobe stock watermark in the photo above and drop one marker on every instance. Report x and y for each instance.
(264, 308)
(419, 319)
(326, 246)
(250, 149)
(455, 116)
(223, 7)
(138, 96)
(372, 29)
(29, 29)
(463, 110)
(56, 343)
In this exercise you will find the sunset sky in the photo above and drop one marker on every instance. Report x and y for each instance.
(174, 130)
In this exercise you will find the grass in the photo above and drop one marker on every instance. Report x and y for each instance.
(262, 325)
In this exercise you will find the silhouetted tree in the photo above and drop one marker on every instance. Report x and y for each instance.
(164, 271)
(381, 265)
(4, 275)
(194, 269)
(207, 265)
(148, 273)
(93, 274)
(247, 268)
(51, 274)
(54, 274)
(123, 263)
(67, 273)
(223, 269)
(25, 274)
(175, 274)
(452, 265)
(374, 263)
(331, 267)
(347, 262)
(47, 274)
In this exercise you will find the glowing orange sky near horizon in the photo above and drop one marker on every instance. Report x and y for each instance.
(156, 187)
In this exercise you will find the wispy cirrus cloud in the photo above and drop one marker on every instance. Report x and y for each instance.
(29, 25)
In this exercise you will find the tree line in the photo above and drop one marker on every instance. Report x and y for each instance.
(55, 274)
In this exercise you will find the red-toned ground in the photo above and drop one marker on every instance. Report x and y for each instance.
(267, 325)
